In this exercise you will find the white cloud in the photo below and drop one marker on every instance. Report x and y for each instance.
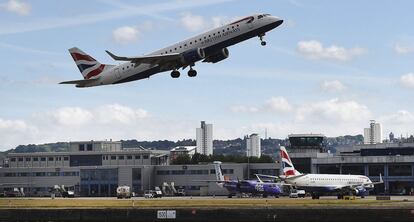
(125, 34)
(333, 111)
(403, 49)
(244, 109)
(407, 80)
(13, 125)
(12, 132)
(152, 10)
(195, 23)
(18, 7)
(315, 50)
(115, 113)
(110, 121)
(71, 116)
(278, 104)
(333, 86)
(400, 117)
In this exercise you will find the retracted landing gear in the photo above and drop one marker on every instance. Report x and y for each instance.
(262, 42)
(175, 74)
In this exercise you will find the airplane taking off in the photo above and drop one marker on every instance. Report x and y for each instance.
(246, 186)
(208, 47)
(318, 184)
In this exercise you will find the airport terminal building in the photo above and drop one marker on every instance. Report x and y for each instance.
(97, 168)
(394, 161)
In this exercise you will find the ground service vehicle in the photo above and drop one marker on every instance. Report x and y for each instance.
(123, 192)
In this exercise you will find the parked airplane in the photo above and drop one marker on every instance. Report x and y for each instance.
(318, 184)
(255, 187)
(209, 47)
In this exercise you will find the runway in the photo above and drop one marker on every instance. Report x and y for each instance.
(207, 209)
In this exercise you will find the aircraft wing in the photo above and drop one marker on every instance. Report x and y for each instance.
(80, 81)
(150, 59)
(211, 181)
(280, 177)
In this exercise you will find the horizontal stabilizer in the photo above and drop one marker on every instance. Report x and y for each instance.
(81, 81)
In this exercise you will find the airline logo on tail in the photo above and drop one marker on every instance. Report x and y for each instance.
(87, 65)
(287, 165)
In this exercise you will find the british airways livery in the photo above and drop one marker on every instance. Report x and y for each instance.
(319, 184)
(208, 47)
(254, 187)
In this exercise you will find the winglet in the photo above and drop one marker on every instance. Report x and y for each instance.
(113, 56)
(381, 181)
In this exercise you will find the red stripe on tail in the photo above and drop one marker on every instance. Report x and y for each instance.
(285, 155)
(95, 72)
(77, 56)
(290, 173)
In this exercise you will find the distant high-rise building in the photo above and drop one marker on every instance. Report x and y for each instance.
(253, 147)
(392, 137)
(373, 134)
(205, 139)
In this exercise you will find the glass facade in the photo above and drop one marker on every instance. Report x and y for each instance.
(302, 165)
(399, 170)
(98, 182)
(353, 169)
(86, 160)
(329, 169)
(376, 170)
(136, 180)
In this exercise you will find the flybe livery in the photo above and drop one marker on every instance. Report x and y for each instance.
(208, 47)
(254, 187)
(318, 184)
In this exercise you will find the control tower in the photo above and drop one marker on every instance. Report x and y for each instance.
(303, 147)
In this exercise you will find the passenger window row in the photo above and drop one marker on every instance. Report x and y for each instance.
(200, 39)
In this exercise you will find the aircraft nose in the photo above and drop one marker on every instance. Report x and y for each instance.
(278, 21)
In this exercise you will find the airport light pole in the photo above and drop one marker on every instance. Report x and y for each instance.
(248, 164)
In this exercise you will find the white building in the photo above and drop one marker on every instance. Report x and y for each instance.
(373, 134)
(253, 147)
(182, 150)
(205, 139)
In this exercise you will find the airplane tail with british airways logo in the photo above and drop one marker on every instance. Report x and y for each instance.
(287, 165)
(87, 65)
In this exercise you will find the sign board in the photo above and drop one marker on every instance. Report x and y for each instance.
(166, 214)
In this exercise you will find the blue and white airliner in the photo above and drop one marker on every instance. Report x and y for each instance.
(210, 47)
(320, 184)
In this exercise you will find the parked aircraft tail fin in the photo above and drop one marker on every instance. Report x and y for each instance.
(219, 172)
(287, 165)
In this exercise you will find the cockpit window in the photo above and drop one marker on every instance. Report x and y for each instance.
(262, 16)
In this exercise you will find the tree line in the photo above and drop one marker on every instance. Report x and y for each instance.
(201, 158)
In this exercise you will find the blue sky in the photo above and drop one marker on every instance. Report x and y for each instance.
(330, 68)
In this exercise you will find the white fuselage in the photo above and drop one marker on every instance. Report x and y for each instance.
(329, 182)
(220, 37)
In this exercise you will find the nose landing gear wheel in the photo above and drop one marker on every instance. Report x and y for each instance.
(262, 42)
(175, 74)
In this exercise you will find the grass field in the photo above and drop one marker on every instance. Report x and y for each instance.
(186, 203)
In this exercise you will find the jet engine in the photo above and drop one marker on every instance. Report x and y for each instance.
(360, 191)
(193, 55)
(218, 56)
